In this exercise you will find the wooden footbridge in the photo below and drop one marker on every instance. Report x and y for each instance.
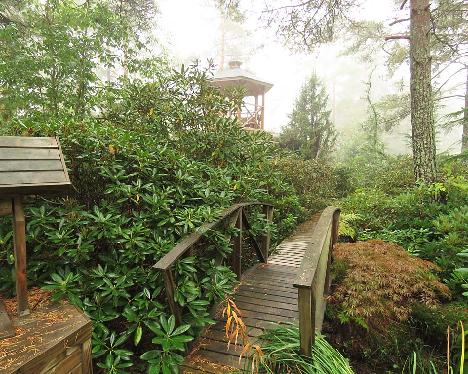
(289, 285)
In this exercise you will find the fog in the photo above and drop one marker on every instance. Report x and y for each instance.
(190, 29)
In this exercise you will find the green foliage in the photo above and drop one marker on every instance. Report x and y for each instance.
(161, 160)
(346, 229)
(432, 323)
(389, 174)
(460, 275)
(280, 346)
(446, 321)
(318, 183)
(310, 132)
(429, 221)
(417, 364)
(171, 339)
(50, 55)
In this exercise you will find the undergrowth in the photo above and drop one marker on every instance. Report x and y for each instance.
(280, 346)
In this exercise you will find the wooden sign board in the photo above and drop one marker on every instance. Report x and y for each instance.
(28, 166)
(31, 165)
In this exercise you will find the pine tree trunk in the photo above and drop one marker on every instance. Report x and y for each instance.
(464, 147)
(422, 106)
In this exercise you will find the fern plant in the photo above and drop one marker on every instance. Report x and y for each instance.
(346, 228)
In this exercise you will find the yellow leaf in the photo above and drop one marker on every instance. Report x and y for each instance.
(244, 351)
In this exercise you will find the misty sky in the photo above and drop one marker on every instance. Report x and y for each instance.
(190, 29)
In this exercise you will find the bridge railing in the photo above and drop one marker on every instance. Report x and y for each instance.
(313, 277)
(234, 215)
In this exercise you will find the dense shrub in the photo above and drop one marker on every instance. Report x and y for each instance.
(428, 221)
(382, 282)
(371, 314)
(317, 182)
(432, 323)
(387, 173)
(157, 164)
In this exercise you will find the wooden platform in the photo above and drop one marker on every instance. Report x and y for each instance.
(54, 338)
(265, 297)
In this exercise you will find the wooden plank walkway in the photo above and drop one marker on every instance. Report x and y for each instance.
(265, 297)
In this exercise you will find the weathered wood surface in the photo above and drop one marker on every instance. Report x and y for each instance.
(266, 296)
(6, 327)
(19, 239)
(30, 165)
(55, 338)
(313, 277)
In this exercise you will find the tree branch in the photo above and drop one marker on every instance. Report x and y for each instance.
(449, 97)
(396, 37)
(286, 7)
(403, 4)
(399, 21)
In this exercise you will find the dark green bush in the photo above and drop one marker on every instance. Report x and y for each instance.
(317, 182)
(387, 173)
(432, 323)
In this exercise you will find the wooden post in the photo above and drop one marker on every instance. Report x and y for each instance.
(266, 238)
(237, 252)
(86, 361)
(19, 229)
(333, 240)
(306, 307)
(335, 225)
(263, 111)
(170, 291)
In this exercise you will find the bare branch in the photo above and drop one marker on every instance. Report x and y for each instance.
(449, 97)
(403, 4)
(396, 37)
(286, 7)
(399, 21)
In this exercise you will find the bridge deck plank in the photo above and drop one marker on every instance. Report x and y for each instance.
(266, 296)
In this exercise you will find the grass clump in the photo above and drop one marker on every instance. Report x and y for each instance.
(280, 347)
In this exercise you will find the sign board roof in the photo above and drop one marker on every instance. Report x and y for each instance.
(31, 165)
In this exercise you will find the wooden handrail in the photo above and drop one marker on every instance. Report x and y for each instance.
(313, 277)
(235, 213)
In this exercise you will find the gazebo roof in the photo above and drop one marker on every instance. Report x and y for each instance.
(235, 76)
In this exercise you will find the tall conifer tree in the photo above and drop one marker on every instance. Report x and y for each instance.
(310, 131)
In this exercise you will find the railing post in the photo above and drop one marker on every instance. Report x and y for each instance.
(333, 240)
(170, 291)
(237, 251)
(266, 238)
(335, 225)
(306, 306)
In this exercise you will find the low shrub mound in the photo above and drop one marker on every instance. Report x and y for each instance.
(381, 283)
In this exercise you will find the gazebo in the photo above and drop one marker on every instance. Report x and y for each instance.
(251, 113)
